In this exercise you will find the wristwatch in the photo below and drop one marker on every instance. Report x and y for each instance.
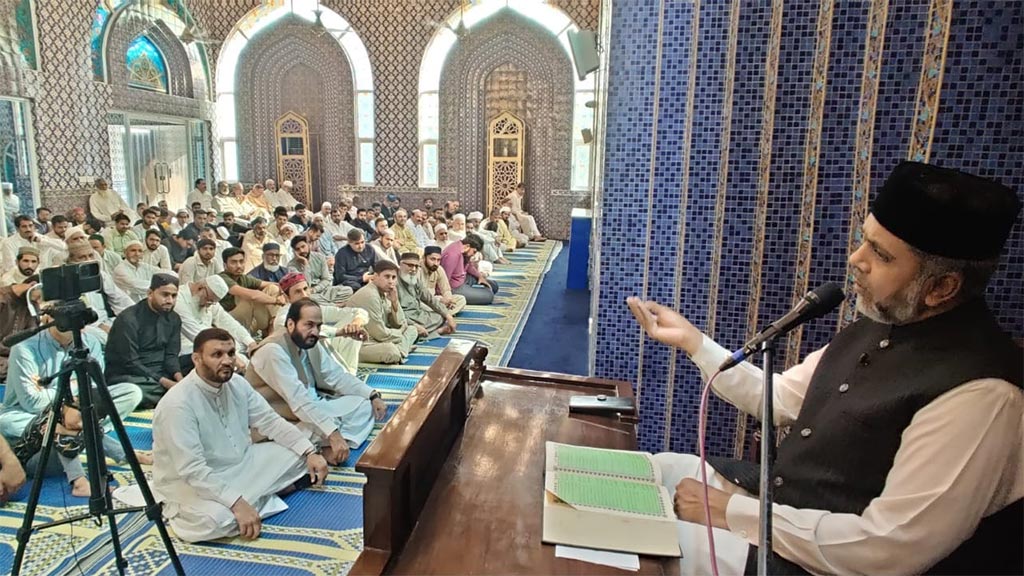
(374, 395)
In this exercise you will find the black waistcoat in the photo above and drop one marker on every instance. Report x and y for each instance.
(870, 382)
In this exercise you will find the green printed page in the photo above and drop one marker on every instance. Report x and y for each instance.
(609, 494)
(605, 462)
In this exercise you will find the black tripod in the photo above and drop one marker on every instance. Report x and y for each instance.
(74, 316)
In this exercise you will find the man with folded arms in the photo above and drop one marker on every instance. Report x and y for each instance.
(905, 452)
(305, 383)
(212, 480)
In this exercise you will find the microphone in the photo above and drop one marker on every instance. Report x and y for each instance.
(814, 304)
(18, 337)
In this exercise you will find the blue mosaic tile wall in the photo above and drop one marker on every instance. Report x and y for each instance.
(727, 179)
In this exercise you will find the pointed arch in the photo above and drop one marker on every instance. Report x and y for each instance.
(352, 46)
(552, 19)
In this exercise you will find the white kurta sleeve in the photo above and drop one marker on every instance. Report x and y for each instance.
(269, 423)
(191, 324)
(129, 282)
(741, 386)
(959, 460)
(176, 429)
(118, 300)
(337, 379)
(221, 319)
(165, 258)
(275, 367)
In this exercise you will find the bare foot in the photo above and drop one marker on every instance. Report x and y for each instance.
(144, 457)
(502, 261)
(539, 239)
(80, 487)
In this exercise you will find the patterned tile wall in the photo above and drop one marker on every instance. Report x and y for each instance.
(70, 108)
(286, 69)
(702, 146)
(503, 39)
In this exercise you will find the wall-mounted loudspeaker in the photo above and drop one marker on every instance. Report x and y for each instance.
(584, 51)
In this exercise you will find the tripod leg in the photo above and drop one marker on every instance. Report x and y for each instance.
(153, 510)
(25, 532)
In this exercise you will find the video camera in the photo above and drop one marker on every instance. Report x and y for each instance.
(70, 281)
(66, 284)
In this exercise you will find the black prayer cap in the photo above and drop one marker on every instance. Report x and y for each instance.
(160, 280)
(946, 212)
(427, 251)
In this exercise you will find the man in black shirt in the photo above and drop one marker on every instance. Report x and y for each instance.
(145, 342)
(353, 264)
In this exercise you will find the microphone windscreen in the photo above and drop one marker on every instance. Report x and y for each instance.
(824, 299)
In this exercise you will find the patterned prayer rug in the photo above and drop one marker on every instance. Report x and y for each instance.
(321, 532)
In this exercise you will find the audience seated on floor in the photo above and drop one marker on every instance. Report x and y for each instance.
(463, 274)
(270, 270)
(145, 342)
(390, 335)
(133, 275)
(305, 383)
(203, 264)
(212, 480)
(420, 305)
(405, 240)
(354, 263)
(25, 265)
(343, 326)
(436, 280)
(526, 221)
(315, 269)
(384, 246)
(199, 308)
(27, 235)
(23, 418)
(252, 243)
(251, 301)
(154, 252)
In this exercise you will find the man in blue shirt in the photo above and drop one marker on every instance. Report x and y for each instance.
(24, 398)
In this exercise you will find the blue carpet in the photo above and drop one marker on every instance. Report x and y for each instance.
(555, 336)
(321, 532)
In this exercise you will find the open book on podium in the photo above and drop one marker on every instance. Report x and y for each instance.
(607, 500)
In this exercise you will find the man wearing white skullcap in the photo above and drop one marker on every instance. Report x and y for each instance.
(199, 307)
(133, 275)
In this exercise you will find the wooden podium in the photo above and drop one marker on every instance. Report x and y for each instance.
(455, 480)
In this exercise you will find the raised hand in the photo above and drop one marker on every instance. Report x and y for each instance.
(665, 325)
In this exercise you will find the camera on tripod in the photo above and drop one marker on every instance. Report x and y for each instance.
(65, 285)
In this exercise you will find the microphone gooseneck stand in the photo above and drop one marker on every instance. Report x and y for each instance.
(764, 544)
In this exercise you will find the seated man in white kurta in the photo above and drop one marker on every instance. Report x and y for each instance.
(213, 481)
(305, 383)
(341, 323)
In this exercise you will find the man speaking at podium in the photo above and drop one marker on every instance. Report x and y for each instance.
(904, 454)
